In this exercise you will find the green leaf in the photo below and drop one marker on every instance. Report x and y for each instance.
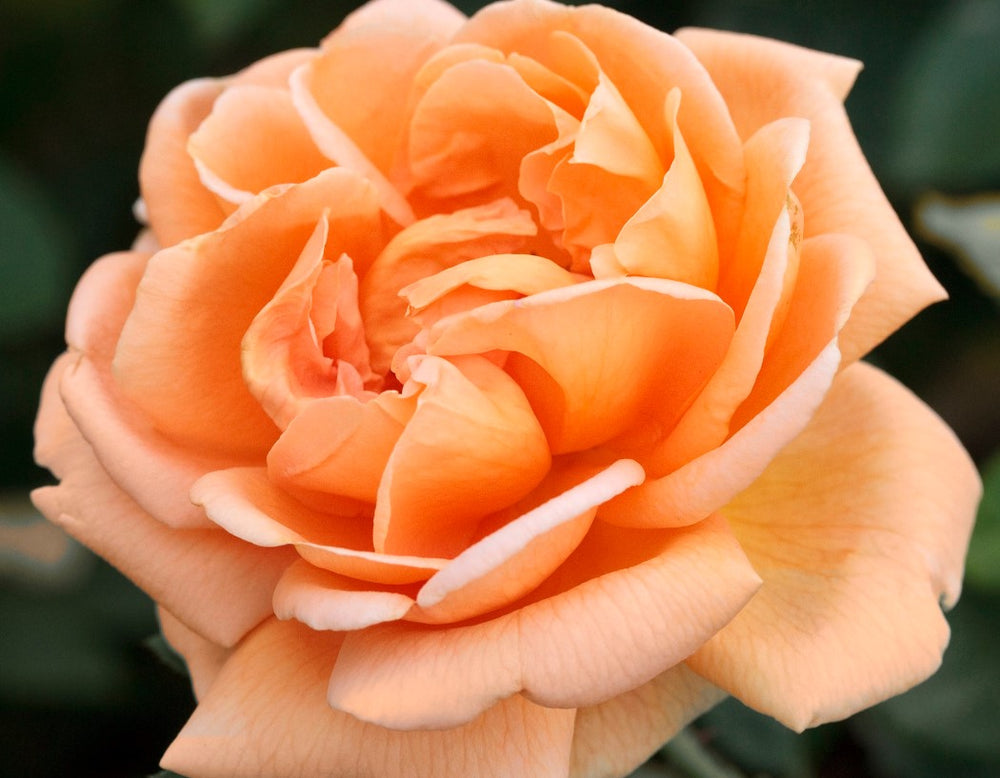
(33, 255)
(968, 227)
(982, 566)
(166, 774)
(688, 754)
(949, 108)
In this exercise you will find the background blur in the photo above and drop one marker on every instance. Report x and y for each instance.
(83, 693)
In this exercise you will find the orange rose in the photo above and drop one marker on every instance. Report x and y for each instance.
(483, 399)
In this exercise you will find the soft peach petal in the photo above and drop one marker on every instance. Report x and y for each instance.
(274, 71)
(572, 346)
(613, 738)
(178, 357)
(253, 139)
(833, 273)
(266, 715)
(513, 560)
(672, 234)
(245, 503)
(219, 586)
(340, 445)
(859, 529)
(122, 437)
(324, 600)
(435, 19)
(472, 447)
(644, 71)
(616, 631)
(836, 187)
(469, 133)
(769, 247)
(204, 658)
(177, 204)
(423, 249)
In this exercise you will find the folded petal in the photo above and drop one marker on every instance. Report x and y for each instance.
(473, 446)
(615, 737)
(217, 585)
(763, 82)
(253, 139)
(204, 658)
(178, 357)
(511, 561)
(246, 504)
(266, 714)
(177, 204)
(616, 631)
(859, 530)
(571, 348)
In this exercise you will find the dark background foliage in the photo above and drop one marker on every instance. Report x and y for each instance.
(82, 694)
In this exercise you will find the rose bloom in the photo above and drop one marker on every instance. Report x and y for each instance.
(483, 399)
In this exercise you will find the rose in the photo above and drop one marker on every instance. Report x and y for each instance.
(483, 399)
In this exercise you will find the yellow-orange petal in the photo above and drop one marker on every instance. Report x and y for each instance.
(859, 530)
(468, 134)
(178, 357)
(423, 249)
(511, 561)
(758, 289)
(204, 659)
(177, 204)
(340, 445)
(266, 713)
(672, 234)
(219, 586)
(762, 82)
(253, 139)
(599, 358)
(473, 446)
(615, 631)
(615, 737)
(644, 71)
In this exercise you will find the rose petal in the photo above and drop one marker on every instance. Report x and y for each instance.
(513, 560)
(768, 248)
(327, 601)
(472, 447)
(253, 139)
(858, 528)
(246, 504)
(833, 273)
(572, 346)
(177, 203)
(219, 586)
(615, 737)
(204, 658)
(178, 357)
(644, 71)
(838, 192)
(266, 714)
(616, 631)
(423, 249)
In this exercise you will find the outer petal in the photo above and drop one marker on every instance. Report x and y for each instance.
(615, 737)
(178, 357)
(615, 632)
(122, 437)
(859, 529)
(218, 585)
(203, 657)
(266, 715)
(764, 81)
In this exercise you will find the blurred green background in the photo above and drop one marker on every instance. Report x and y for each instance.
(83, 694)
